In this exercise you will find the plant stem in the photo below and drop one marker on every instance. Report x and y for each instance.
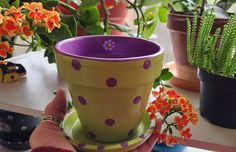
(106, 12)
(67, 6)
(25, 45)
(137, 13)
(202, 7)
(144, 20)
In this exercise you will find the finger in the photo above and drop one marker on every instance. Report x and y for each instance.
(58, 106)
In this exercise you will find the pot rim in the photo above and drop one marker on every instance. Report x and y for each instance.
(191, 16)
(178, 22)
(158, 50)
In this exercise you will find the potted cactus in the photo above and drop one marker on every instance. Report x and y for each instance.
(175, 13)
(215, 55)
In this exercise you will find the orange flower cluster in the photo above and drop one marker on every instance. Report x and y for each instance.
(172, 106)
(43, 17)
(24, 20)
(4, 49)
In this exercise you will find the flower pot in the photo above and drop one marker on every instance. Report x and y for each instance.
(118, 13)
(177, 25)
(110, 81)
(218, 99)
(15, 129)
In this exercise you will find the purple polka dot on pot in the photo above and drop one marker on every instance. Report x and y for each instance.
(75, 64)
(82, 100)
(137, 100)
(111, 82)
(131, 132)
(109, 122)
(125, 144)
(100, 147)
(91, 134)
(142, 136)
(80, 145)
(147, 64)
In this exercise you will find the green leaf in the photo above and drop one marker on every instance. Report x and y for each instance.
(59, 34)
(89, 16)
(93, 30)
(120, 27)
(71, 22)
(167, 86)
(70, 105)
(45, 41)
(151, 16)
(41, 30)
(166, 76)
(165, 130)
(164, 71)
(52, 3)
(68, 1)
(16, 3)
(170, 130)
(162, 14)
(156, 83)
(50, 54)
(88, 3)
(150, 2)
(4, 3)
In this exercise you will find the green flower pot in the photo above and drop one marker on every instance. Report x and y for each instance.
(110, 79)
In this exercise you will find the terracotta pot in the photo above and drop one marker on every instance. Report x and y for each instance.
(117, 15)
(109, 81)
(217, 99)
(178, 26)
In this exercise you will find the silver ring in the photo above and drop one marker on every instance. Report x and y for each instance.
(50, 118)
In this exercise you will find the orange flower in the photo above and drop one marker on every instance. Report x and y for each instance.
(168, 103)
(2, 31)
(10, 26)
(34, 9)
(25, 29)
(172, 94)
(15, 12)
(2, 62)
(155, 93)
(4, 49)
(170, 141)
(151, 108)
(186, 134)
(193, 118)
(52, 20)
(1, 18)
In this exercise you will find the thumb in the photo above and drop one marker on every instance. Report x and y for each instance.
(58, 106)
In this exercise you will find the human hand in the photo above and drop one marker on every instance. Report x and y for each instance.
(48, 134)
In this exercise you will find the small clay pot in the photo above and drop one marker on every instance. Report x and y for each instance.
(177, 25)
(110, 79)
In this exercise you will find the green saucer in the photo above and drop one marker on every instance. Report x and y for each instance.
(72, 128)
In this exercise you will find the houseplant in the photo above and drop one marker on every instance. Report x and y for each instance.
(215, 55)
(178, 11)
(87, 17)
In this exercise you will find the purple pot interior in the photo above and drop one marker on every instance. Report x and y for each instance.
(108, 48)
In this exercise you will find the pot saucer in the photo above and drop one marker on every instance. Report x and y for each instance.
(72, 129)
